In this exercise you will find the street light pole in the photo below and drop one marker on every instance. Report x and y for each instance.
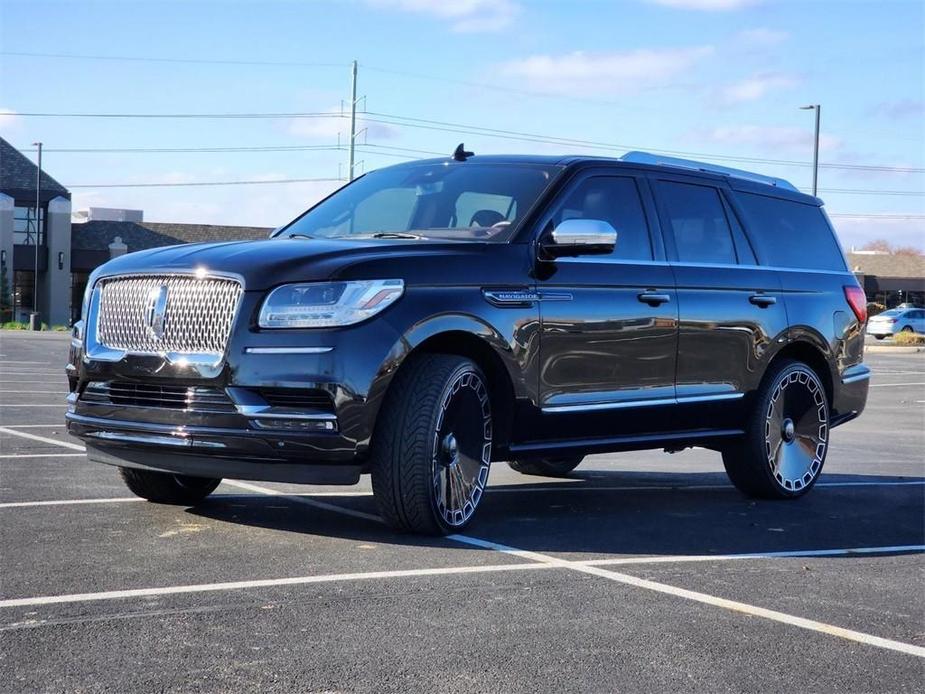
(38, 226)
(818, 109)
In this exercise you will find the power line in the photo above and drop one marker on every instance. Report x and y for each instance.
(466, 129)
(877, 215)
(205, 183)
(317, 114)
(152, 59)
(205, 150)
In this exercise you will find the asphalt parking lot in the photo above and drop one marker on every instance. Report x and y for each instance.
(642, 572)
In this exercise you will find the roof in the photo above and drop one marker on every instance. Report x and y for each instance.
(741, 180)
(97, 235)
(17, 176)
(887, 265)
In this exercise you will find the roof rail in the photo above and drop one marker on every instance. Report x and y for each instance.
(659, 160)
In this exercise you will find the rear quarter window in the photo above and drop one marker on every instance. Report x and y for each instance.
(791, 234)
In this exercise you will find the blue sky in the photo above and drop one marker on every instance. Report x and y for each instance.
(717, 77)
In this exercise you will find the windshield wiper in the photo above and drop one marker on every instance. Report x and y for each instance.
(300, 236)
(393, 235)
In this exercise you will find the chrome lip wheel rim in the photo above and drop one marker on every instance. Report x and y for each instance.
(796, 430)
(461, 449)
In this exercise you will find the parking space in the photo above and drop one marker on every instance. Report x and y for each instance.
(641, 571)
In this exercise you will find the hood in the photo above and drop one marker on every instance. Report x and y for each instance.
(264, 264)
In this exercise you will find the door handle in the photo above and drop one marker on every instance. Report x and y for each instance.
(654, 299)
(762, 300)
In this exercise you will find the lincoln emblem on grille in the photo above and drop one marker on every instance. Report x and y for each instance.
(156, 311)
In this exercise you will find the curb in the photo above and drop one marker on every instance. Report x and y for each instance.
(891, 349)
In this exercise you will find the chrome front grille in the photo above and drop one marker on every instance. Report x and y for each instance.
(187, 398)
(157, 314)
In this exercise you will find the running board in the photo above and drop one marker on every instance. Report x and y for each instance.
(626, 443)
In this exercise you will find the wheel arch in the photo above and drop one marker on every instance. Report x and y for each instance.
(464, 336)
(814, 356)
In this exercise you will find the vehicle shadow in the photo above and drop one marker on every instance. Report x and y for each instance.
(613, 514)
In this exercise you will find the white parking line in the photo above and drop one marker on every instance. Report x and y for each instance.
(59, 405)
(70, 502)
(34, 392)
(59, 425)
(535, 561)
(263, 583)
(304, 500)
(542, 560)
(849, 552)
(42, 455)
(896, 385)
(43, 439)
(704, 598)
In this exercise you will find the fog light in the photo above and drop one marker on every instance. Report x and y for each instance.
(307, 425)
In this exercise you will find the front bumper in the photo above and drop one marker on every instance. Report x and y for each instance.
(236, 429)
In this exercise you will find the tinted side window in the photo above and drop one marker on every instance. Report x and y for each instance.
(791, 234)
(614, 199)
(698, 221)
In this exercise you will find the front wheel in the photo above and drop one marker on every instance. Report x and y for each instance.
(547, 467)
(786, 437)
(432, 446)
(168, 488)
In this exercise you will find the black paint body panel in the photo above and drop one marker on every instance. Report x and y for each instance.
(582, 363)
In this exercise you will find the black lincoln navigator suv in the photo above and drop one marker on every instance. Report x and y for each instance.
(433, 317)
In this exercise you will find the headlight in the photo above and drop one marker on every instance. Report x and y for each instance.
(327, 304)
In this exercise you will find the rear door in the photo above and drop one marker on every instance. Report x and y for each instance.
(609, 322)
(731, 310)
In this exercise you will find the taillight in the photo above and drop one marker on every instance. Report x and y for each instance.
(857, 300)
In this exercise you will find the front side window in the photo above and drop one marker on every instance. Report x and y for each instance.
(613, 199)
(698, 222)
(464, 201)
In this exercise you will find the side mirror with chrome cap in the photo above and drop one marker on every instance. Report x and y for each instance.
(574, 237)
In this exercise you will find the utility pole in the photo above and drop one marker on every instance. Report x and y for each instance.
(818, 109)
(38, 227)
(353, 120)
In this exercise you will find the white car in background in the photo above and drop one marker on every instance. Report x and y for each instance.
(888, 323)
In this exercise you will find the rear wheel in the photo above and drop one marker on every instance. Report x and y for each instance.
(907, 329)
(168, 488)
(547, 467)
(786, 438)
(432, 447)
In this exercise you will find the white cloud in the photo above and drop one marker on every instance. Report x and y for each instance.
(465, 16)
(589, 74)
(901, 108)
(770, 138)
(329, 129)
(757, 86)
(8, 120)
(761, 36)
(707, 5)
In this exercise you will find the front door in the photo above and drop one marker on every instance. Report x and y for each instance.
(609, 323)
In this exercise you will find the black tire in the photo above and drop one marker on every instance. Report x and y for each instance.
(167, 488)
(879, 337)
(907, 329)
(786, 436)
(431, 449)
(547, 467)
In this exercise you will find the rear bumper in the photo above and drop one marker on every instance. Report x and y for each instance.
(850, 394)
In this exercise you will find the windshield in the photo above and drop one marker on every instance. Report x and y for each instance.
(464, 201)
